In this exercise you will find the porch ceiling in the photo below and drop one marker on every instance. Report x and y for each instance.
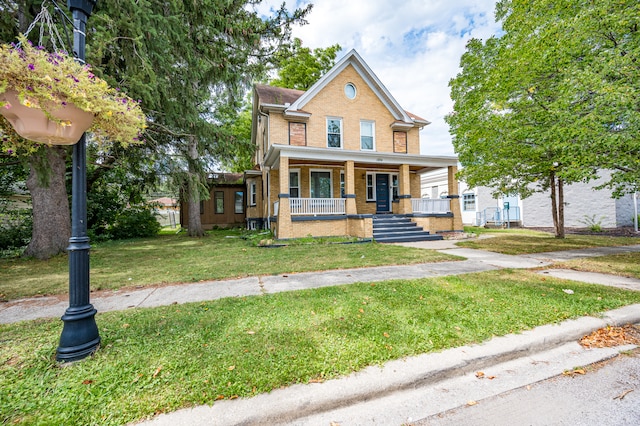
(362, 159)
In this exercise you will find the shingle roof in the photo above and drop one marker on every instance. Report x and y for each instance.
(277, 95)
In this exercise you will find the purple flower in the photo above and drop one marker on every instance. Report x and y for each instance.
(32, 67)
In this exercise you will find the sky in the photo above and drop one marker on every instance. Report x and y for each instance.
(413, 46)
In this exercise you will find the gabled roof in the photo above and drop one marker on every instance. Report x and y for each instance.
(292, 102)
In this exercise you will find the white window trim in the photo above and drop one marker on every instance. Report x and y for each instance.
(464, 201)
(373, 179)
(373, 135)
(297, 171)
(330, 180)
(373, 185)
(253, 194)
(326, 129)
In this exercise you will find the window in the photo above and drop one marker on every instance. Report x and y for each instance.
(400, 142)
(294, 183)
(252, 194)
(239, 204)
(370, 187)
(334, 132)
(469, 202)
(394, 186)
(341, 184)
(218, 202)
(201, 207)
(320, 184)
(350, 90)
(367, 132)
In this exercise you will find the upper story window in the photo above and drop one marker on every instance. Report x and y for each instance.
(334, 132)
(367, 135)
(350, 90)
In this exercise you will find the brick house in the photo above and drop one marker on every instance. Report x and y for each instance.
(341, 158)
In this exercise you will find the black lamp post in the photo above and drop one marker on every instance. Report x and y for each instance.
(80, 337)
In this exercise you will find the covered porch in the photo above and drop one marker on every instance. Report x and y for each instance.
(322, 192)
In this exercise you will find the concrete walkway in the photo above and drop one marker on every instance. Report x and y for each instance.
(401, 391)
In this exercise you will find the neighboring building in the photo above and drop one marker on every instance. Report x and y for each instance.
(584, 205)
(225, 207)
(332, 159)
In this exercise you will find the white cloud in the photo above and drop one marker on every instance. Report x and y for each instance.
(413, 46)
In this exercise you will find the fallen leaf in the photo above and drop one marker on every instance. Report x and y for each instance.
(251, 332)
(491, 377)
(231, 368)
(219, 397)
(334, 424)
(385, 335)
(88, 382)
(233, 397)
(361, 310)
(157, 371)
(479, 374)
(472, 402)
(612, 336)
(623, 394)
(126, 325)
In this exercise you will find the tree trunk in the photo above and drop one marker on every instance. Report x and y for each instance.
(193, 193)
(51, 214)
(560, 228)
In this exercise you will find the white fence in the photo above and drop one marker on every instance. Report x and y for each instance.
(431, 205)
(317, 206)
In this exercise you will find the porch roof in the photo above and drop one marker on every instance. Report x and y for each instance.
(417, 163)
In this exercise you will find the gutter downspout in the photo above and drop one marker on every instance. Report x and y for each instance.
(635, 211)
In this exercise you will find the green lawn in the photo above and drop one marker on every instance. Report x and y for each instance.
(177, 259)
(522, 241)
(624, 264)
(161, 359)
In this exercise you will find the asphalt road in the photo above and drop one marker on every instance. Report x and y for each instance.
(608, 394)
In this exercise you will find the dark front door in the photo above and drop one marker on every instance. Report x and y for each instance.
(382, 193)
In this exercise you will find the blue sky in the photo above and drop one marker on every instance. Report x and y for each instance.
(413, 46)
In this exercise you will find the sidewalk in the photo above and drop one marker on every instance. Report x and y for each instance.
(476, 261)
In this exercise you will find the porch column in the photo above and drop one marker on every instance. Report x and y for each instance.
(454, 198)
(404, 190)
(350, 188)
(284, 211)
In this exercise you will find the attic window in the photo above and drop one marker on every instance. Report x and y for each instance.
(350, 90)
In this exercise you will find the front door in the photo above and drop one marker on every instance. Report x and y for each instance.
(382, 193)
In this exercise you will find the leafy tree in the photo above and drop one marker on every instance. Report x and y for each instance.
(188, 62)
(536, 108)
(300, 67)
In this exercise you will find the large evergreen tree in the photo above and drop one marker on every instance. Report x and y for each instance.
(188, 62)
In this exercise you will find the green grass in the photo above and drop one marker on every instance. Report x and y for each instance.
(520, 241)
(176, 258)
(624, 264)
(161, 359)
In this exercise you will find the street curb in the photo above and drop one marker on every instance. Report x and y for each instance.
(374, 382)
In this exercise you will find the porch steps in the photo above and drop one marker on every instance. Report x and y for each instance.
(399, 229)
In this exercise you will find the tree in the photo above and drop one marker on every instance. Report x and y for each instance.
(300, 67)
(532, 108)
(186, 61)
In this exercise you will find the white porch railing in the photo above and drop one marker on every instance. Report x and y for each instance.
(429, 205)
(317, 206)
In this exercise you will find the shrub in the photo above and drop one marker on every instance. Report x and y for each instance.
(15, 229)
(135, 222)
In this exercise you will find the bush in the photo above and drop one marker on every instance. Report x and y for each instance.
(15, 229)
(134, 222)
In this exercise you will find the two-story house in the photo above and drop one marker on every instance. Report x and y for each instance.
(337, 159)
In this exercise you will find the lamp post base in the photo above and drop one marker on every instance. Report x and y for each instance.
(80, 337)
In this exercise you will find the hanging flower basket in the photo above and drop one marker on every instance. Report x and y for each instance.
(51, 98)
(65, 125)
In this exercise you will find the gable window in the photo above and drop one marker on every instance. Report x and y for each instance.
(297, 134)
(350, 91)
(239, 205)
(218, 202)
(370, 187)
(334, 132)
(400, 142)
(320, 184)
(294, 183)
(252, 194)
(367, 132)
(469, 202)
